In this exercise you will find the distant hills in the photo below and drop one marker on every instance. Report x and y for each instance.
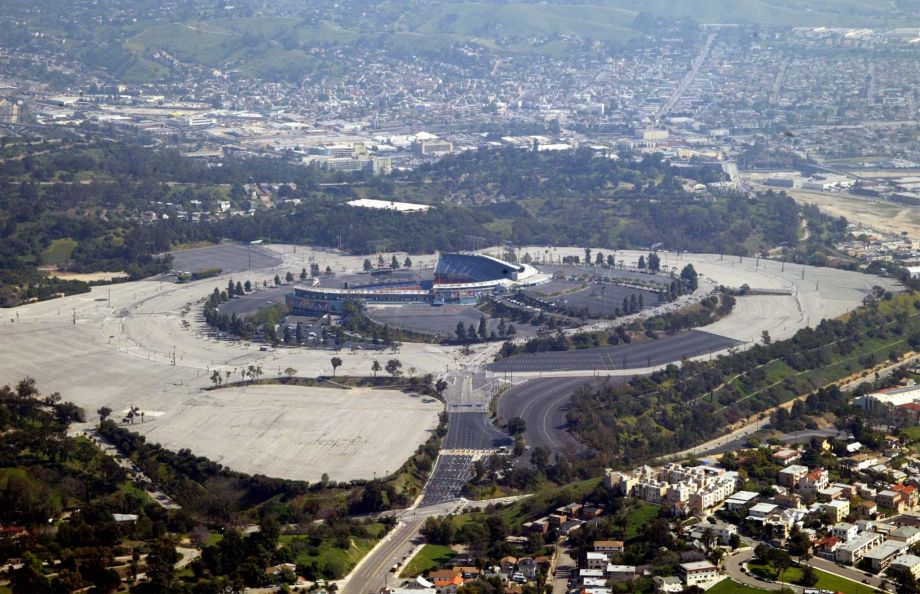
(292, 39)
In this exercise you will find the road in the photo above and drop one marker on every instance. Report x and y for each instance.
(543, 404)
(373, 572)
(734, 563)
(470, 434)
(687, 80)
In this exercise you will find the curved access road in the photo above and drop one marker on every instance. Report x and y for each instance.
(543, 404)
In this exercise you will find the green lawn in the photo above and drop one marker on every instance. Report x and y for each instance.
(429, 557)
(729, 586)
(826, 581)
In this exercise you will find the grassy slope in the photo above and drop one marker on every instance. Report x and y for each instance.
(429, 557)
(220, 42)
(327, 551)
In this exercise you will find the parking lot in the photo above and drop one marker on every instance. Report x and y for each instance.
(601, 299)
(229, 257)
(637, 355)
(440, 321)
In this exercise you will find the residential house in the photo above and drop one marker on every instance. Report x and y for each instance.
(697, 572)
(844, 531)
(909, 563)
(813, 482)
(791, 475)
(883, 555)
(608, 546)
(853, 551)
(594, 560)
(836, 510)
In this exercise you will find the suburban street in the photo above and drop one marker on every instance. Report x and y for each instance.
(734, 564)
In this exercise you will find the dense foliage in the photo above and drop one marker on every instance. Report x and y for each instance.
(100, 205)
(679, 407)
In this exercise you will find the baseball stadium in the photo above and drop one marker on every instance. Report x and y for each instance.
(459, 279)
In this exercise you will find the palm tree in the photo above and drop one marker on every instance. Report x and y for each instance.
(336, 362)
(375, 367)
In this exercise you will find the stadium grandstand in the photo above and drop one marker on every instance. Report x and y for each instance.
(458, 279)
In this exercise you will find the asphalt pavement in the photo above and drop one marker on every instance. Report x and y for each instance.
(229, 257)
(374, 571)
(473, 431)
(734, 563)
(451, 473)
(644, 354)
(543, 404)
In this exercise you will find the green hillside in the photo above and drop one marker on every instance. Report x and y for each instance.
(290, 39)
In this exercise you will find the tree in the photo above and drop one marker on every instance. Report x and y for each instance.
(393, 367)
(247, 286)
(407, 263)
(161, 561)
(611, 261)
(460, 331)
(367, 265)
(375, 367)
(394, 263)
(289, 277)
(654, 262)
(516, 425)
(539, 457)
(104, 412)
(277, 280)
(483, 328)
(809, 577)
(336, 363)
(690, 277)
(303, 274)
(440, 386)
(290, 372)
(765, 338)
(642, 262)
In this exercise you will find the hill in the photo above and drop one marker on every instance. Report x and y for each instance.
(288, 40)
